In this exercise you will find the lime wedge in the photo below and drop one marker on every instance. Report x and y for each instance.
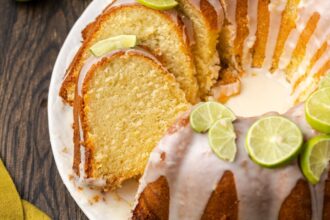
(222, 139)
(205, 114)
(113, 43)
(273, 141)
(158, 4)
(317, 109)
(315, 158)
(325, 81)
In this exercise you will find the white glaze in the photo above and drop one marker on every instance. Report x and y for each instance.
(276, 8)
(193, 172)
(251, 38)
(269, 92)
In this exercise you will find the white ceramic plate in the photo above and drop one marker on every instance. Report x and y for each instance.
(94, 204)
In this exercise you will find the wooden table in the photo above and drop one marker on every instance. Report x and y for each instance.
(31, 35)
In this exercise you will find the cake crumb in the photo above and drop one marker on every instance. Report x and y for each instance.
(163, 156)
(65, 150)
(96, 198)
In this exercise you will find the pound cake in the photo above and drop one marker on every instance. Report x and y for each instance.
(125, 101)
(161, 32)
(207, 19)
(122, 95)
(184, 179)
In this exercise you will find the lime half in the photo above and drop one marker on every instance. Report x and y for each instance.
(315, 158)
(273, 141)
(113, 43)
(317, 109)
(222, 139)
(205, 114)
(158, 4)
(325, 81)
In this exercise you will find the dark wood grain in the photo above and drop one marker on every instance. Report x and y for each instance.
(31, 35)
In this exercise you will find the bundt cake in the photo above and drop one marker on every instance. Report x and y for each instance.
(184, 179)
(120, 97)
(161, 32)
(125, 101)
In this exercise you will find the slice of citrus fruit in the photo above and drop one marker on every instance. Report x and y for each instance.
(113, 43)
(222, 139)
(325, 81)
(315, 158)
(273, 141)
(205, 114)
(317, 109)
(159, 4)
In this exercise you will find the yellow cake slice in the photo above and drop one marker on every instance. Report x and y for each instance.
(162, 32)
(207, 19)
(128, 100)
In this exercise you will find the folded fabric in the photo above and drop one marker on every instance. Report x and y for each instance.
(33, 213)
(11, 205)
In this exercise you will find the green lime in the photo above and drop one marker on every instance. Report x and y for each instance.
(274, 140)
(325, 81)
(317, 109)
(315, 158)
(159, 4)
(205, 114)
(222, 139)
(113, 43)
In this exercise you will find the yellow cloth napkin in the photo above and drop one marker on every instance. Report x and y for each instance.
(33, 213)
(11, 205)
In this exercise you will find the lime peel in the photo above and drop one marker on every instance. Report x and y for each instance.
(159, 4)
(113, 43)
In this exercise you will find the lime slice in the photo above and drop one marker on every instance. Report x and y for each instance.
(113, 43)
(317, 109)
(273, 141)
(222, 139)
(315, 158)
(158, 4)
(205, 114)
(325, 81)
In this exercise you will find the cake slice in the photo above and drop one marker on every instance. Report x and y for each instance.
(126, 102)
(162, 32)
(207, 19)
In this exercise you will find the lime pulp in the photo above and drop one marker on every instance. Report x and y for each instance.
(222, 139)
(325, 82)
(273, 141)
(205, 114)
(317, 110)
(315, 158)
